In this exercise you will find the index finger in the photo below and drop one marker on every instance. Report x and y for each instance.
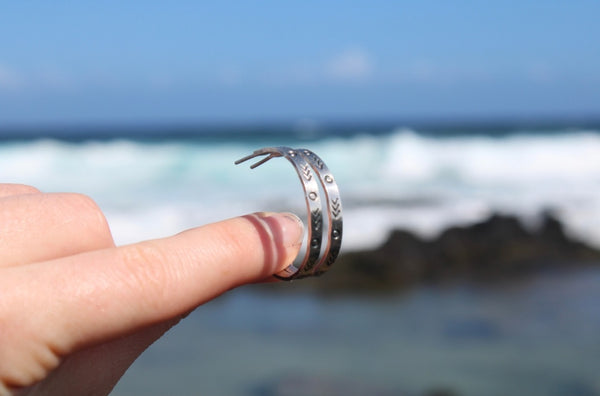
(116, 291)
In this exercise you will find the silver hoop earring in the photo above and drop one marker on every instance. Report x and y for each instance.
(319, 254)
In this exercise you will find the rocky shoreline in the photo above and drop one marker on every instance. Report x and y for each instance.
(500, 248)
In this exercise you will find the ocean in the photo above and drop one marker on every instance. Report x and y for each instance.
(156, 185)
(536, 337)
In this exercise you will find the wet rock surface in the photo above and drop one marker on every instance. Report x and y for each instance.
(305, 385)
(323, 385)
(498, 249)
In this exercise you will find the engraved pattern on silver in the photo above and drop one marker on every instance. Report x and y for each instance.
(334, 211)
(319, 255)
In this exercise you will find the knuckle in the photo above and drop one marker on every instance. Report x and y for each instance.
(88, 214)
(14, 190)
(80, 202)
(23, 189)
(147, 267)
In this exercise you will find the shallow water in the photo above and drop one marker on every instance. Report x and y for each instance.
(534, 337)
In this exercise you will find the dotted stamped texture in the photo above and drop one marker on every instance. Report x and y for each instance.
(307, 164)
(334, 212)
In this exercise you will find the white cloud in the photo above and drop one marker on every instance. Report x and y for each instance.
(353, 64)
(423, 71)
(347, 66)
(9, 79)
(230, 75)
(51, 78)
(541, 72)
(297, 73)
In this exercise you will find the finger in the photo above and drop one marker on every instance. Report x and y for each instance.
(40, 227)
(96, 296)
(8, 190)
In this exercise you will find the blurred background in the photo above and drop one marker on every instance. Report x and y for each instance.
(470, 128)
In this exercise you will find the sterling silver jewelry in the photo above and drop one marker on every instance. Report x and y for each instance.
(334, 211)
(319, 255)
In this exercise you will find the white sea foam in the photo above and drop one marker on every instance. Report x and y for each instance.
(402, 179)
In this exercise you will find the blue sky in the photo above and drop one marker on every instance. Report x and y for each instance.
(193, 61)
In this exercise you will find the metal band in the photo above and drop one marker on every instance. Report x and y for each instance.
(334, 211)
(313, 206)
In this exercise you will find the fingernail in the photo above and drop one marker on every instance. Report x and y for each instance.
(293, 230)
(290, 227)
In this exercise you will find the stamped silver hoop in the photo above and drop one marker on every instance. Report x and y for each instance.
(311, 170)
(334, 211)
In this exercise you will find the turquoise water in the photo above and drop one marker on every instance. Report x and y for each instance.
(533, 337)
(402, 178)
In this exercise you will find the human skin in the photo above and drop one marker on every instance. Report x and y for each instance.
(76, 311)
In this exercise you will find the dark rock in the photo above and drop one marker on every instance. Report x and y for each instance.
(576, 387)
(441, 392)
(321, 385)
(498, 248)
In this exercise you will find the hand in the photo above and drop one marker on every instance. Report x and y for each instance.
(76, 311)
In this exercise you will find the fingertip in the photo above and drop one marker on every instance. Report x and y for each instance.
(287, 227)
(281, 235)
